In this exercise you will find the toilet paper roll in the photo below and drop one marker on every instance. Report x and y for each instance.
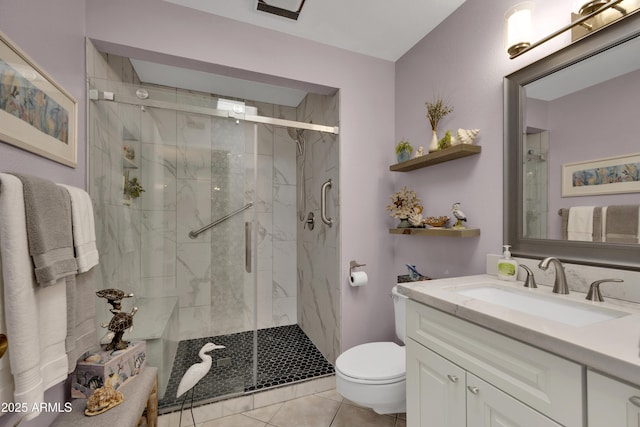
(358, 278)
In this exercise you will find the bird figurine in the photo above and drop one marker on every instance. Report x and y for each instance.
(194, 374)
(197, 370)
(460, 216)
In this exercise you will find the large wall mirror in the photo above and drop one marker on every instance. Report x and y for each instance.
(572, 152)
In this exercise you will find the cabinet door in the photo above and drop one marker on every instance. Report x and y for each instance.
(488, 406)
(611, 402)
(550, 384)
(435, 389)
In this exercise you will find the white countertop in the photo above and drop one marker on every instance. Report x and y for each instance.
(610, 346)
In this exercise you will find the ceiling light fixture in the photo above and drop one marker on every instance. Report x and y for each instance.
(518, 26)
(286, 8)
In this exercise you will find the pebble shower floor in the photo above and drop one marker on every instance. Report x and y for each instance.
(285, 356)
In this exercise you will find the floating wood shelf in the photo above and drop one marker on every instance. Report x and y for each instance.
(440, 156)
(447, 232)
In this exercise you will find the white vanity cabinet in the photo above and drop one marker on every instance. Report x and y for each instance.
(487, 406)
(461, 374)
(444, 394)
(436, 389)
(611, 402)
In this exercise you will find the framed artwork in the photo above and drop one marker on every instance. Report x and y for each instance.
(611, 175)
(36, 114)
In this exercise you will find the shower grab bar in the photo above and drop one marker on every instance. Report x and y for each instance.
(247, 247)
(193, 234)
(323, 203)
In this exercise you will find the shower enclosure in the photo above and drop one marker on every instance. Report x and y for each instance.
(208, 242)
(535, 191)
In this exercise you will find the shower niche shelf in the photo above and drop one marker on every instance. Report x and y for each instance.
(446, 232)
(128, 164)
(440, 156)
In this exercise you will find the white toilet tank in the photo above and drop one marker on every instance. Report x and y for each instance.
(400, 311)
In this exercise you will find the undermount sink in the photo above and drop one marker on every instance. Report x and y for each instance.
(552, 308)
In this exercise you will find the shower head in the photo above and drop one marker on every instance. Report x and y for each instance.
(298, 136)
(293, 133)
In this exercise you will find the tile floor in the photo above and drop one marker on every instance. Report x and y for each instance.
(323, 409)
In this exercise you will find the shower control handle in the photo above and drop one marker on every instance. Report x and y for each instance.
(323, 203)
(311, 221)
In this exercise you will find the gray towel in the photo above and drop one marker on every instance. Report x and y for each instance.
(597, 224)
(81, 308)
(564, 212)
(622, 224)
(48, 215)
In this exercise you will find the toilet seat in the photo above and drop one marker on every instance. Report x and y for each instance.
(373, 363)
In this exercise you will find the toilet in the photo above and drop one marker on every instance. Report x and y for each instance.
(373, 375)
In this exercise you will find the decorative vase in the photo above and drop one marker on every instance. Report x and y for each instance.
(404, 223)
(404, 155)
(433, 145)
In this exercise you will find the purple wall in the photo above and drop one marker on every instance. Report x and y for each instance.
(52, 34)
(462, 60)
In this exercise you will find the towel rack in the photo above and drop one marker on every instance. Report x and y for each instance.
(193, 234)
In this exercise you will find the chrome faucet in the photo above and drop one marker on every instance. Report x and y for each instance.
(560, 284)
(594, 290)
(530, 281)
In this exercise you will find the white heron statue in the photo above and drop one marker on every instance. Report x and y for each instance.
(460, 216)
(194, 374)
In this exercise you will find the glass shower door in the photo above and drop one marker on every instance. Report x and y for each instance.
(218, 265)
(195, 168)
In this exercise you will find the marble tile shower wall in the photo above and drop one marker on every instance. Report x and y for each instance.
(318, 249)
(276, 210)
(192, 168)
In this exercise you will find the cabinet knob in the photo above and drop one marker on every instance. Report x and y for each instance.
(473, 389)
(635, 400)
(453, 378)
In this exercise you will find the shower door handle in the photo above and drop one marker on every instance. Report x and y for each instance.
(247, 246)
(323, 203)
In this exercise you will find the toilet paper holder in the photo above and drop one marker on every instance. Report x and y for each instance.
(354, 264)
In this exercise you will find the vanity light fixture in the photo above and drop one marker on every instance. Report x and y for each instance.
(286, 8)
(518, 28)
(518, 23)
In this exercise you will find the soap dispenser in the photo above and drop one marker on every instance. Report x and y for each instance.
(507, 267)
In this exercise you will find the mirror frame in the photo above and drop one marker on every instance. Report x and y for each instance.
(592, 253)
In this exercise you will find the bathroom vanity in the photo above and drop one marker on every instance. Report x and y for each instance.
(527, 358)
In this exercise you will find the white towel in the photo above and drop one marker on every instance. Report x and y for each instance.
(84, 229)
(36, 316)
(6, 379)
(580, 225)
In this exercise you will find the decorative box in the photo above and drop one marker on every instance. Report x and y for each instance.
(113, 367)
